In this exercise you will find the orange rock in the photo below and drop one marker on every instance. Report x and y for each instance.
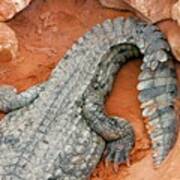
(8, 43)
(8, 8)
(172, 31)
(151, 10)
(116, 4)
(20, 4)
(176, 12)
(124, 6)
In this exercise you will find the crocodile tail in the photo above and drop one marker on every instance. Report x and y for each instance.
(157, 94)
(157, 84)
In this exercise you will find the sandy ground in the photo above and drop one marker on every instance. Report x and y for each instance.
(45, 30)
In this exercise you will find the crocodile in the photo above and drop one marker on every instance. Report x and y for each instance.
(59, 130)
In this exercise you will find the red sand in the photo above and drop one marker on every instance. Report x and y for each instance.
(45, 30)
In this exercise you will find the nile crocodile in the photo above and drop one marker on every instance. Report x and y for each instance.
(58, 130)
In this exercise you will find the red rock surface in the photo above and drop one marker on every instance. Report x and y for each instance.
(116, 4)
(45, 30)
(152, 10)
(176, 12)
(8, 8)
(8, 43)
(172, 31)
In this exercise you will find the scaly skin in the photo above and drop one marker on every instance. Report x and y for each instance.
(58, 130)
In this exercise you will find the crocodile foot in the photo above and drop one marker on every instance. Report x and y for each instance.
(117, 152)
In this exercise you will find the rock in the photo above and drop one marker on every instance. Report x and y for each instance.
(172, 31)
(151, 10)
(116, 4)
(176, 12)
(8, 43)
(9, 8)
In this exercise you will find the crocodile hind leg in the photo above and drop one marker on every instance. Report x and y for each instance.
(115, 130)
(11, 100)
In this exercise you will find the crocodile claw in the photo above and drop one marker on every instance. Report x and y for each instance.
(117, 152)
